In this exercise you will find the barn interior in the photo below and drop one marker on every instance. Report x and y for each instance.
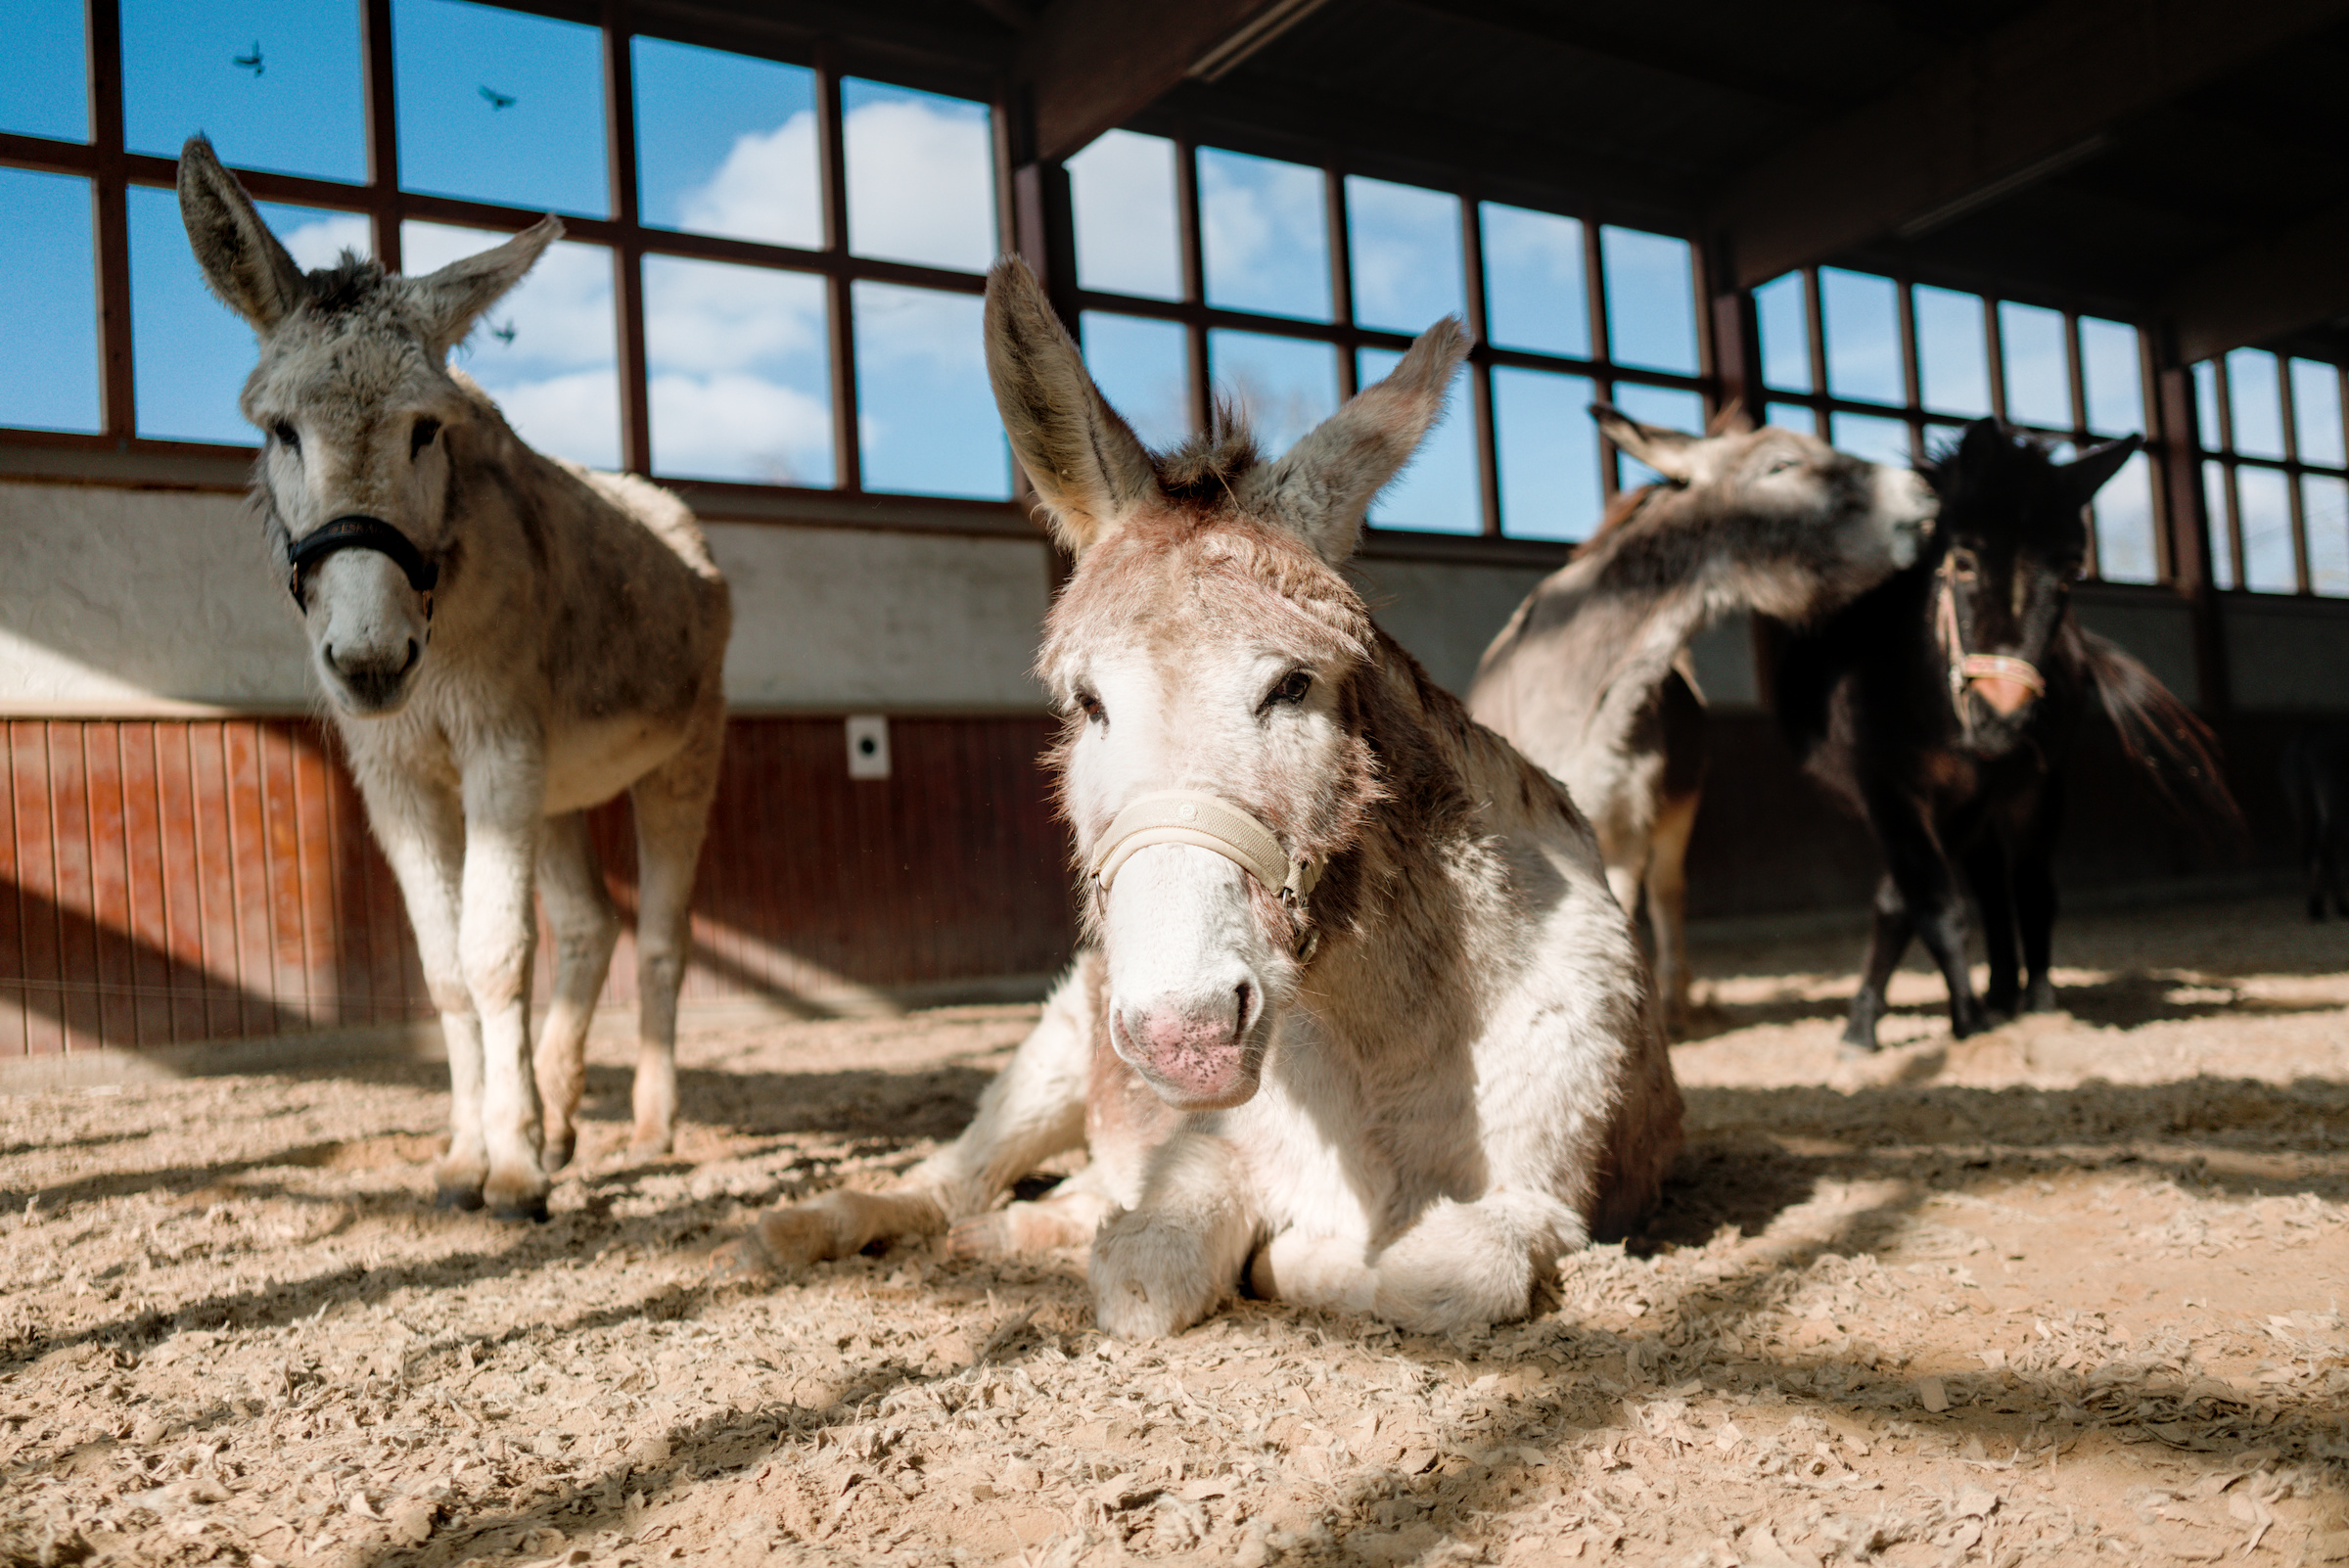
(2063, 1289)
(1873, 219)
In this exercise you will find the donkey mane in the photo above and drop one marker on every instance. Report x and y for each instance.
(346, 287)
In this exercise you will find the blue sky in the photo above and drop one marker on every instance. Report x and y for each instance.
(501, 107)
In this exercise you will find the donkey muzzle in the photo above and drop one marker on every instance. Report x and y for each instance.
(2004, 682)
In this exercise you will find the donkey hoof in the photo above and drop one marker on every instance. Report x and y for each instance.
(457, 1197)
(531, 1208)
(558, 1151)
(744, 1258)
(651, 1145)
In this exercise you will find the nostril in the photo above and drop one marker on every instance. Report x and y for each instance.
(414, 653)
(1245, 994)
(331, 662)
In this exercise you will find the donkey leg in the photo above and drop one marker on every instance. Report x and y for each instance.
(1986, 872)
(1889, 929)
(672, 812)
(585, 928)
(1668, 904)
(497, 931)
(421, 832)
(2034, 899)
(1033, 1110)
(1164, 1265)
(1928, 886)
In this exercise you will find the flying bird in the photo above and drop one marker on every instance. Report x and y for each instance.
(497, 100)
(504, 333)
(251, 61)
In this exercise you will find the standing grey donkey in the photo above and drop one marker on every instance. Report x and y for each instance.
(505, 640)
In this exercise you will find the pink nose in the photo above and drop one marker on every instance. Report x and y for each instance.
(2005, 697)
(1193, 1047)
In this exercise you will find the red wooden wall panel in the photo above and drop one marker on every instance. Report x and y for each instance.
(178, 880)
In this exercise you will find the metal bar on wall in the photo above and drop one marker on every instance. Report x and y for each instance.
(627, 256)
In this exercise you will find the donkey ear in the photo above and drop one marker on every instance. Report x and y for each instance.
(1325, 482)
(2088, 471)
(241, 258)
(453, 298)
(1669, 452)
(1733, 420)
(1087, 464)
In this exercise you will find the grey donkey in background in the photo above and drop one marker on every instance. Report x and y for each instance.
(505, 640)
(1582, 679)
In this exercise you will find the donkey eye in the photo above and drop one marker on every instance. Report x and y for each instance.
(286, 436)
(1964, 565)
(1292, 688)
(1090, 707)
(1782, 465)
(422, 436)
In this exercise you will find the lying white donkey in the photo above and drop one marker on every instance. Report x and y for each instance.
(1363, 1020)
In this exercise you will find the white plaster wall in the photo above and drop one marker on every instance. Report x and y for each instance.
(117, 601)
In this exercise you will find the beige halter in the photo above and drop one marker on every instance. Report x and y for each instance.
(1206, 822)
(1967, 667)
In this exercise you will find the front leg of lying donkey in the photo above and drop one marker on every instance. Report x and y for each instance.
(1457, 1266)
(1167, 1263)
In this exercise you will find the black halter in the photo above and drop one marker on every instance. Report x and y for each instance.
(359, 531)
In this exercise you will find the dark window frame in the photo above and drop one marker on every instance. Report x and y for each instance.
(1913, 411)
(2226, 531)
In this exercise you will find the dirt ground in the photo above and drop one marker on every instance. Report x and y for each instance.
(2067, 1291)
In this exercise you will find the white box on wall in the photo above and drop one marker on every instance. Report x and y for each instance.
(868, 745)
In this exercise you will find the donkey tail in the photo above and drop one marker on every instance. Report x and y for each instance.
(2162, 736)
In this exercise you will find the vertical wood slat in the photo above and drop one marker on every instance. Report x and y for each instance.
(14, 1005)
(215, 906)
(149, 931)
(69, 846)
(109, 910)
(250, 932)
(37, 874)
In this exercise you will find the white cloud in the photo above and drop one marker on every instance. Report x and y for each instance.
(702, 316)
(741, 427)
(897, 325)
(321, 242)
(1123, 194)
(921, 184)
(766, 188)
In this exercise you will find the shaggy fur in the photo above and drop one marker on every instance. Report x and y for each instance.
(1975, 782)
(572, 648)
(1582, 678)
(1431, 1081)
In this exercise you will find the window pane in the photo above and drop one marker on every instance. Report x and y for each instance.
(2214, 514)
(1879, 440)
(1127, 242)
(1953, 351)
(2324, 504)
(1404, 244)
(1548, 452)
(2255, 397)
(1284, 386)
(1143, 368)
(1779, 306)
(925, 418)
(1942, 439)
(275, 83)
(2112, 376)
(1264, 230)
(740, 368)
(548, 351)
(2317, 412)
(2124, 518)
(498, 107)
(1862, 318)
(921, 176)
(44, 91)
(1791, 416)
(48, 301)
(191, 353)
(1667, 406)
(1651, 299)
(2206, 406)
(1535, 295)
(1437, 492)
(2038, 379)
(2266, 500)
(725, 143)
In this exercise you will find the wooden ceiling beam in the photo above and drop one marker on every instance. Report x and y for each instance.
(1089, 65)
(2281, 283)
(2023, 103)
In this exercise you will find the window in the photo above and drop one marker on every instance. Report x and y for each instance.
(1206, 271)
(2275, 482)
(771, 275)
(1904, 366)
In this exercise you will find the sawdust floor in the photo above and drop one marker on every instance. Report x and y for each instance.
(2067, 1290)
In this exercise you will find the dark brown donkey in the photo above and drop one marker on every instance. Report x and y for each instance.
(1942, 708)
